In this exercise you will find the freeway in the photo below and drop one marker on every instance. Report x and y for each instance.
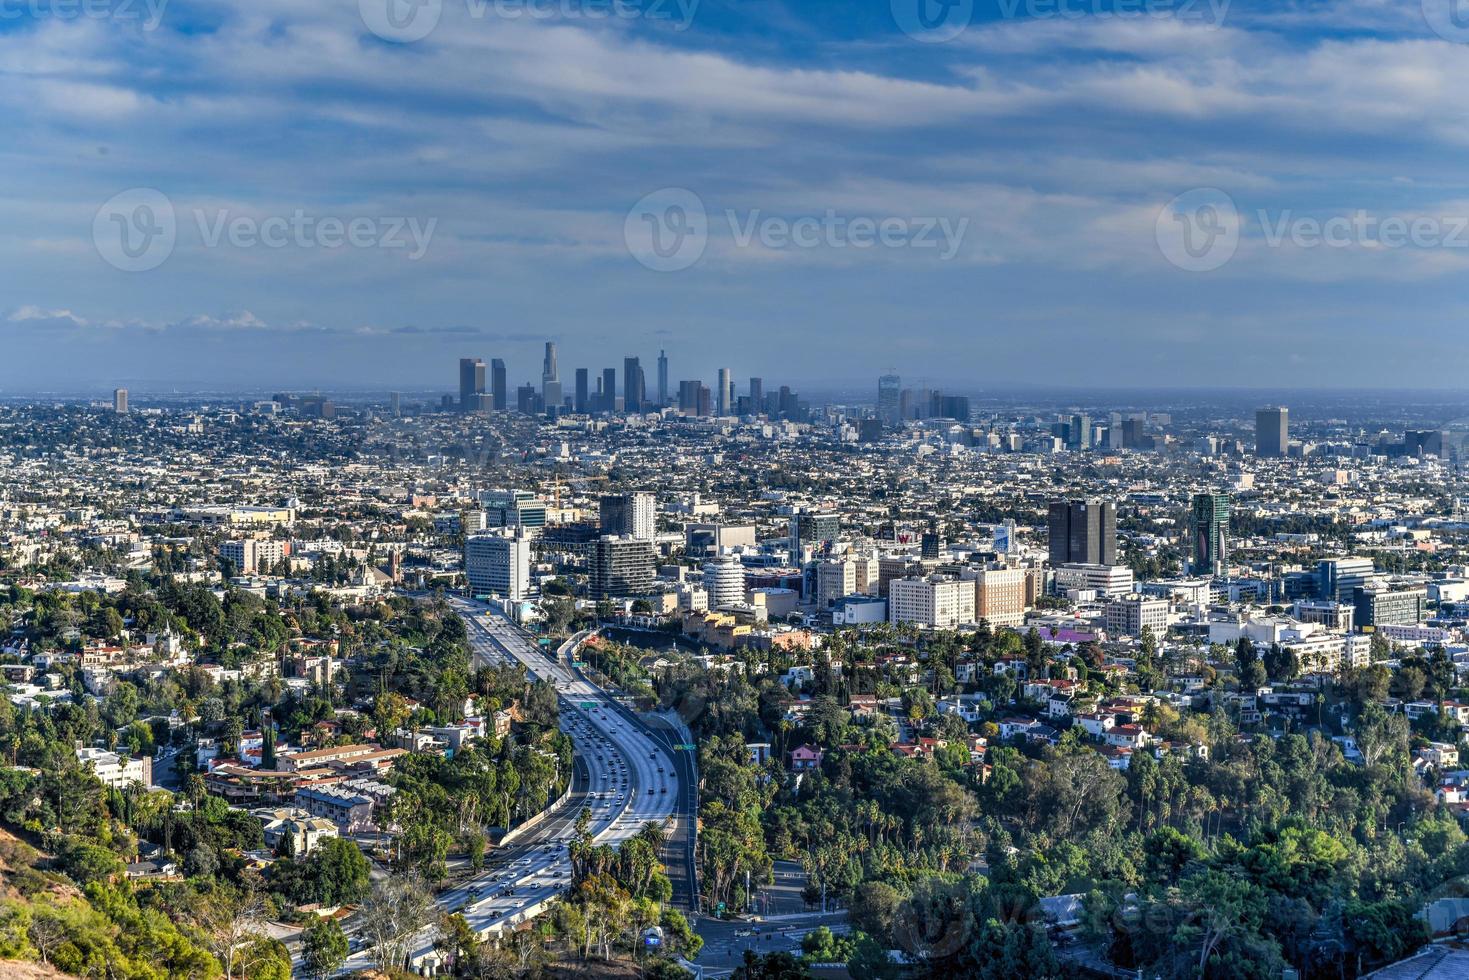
(631, 778)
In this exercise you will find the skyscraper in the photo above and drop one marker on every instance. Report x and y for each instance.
(662, 379)
(609, 390)
(550, 380)
(499, 387)
(395, 403)
(1083, 532)
(632, 385)
(1080, 429)
(889, 400)
(120, 401)
(471, 382)
(1272, 432)
(582, 401)
(757, 395)
(724, 395)
(1208, 525)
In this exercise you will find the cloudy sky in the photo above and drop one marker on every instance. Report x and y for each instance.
(269, 193)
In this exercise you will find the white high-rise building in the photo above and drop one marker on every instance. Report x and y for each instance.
(498, 564)
(724, 581)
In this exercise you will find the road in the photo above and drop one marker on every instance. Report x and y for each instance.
(632, 779)
(724, 944)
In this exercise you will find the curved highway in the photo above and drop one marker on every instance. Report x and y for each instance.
(631, 779)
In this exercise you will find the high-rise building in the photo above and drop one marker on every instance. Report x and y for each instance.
(662, 379)
(1081, 432)
(498, 564)
(813, 530)
(621, 567)
(1272, 432)
(471, 382)
(633, 515)
(632, 385)
(609, 390)
(395, 403)
(550, 380)
(513, 508)
(1339, 578)
(499, 387)
(999, 595)
(724, 394)
(1209, 532)
(1083, 532)
(120, 401)
(757, 395)
(889, 400)
(581, 403)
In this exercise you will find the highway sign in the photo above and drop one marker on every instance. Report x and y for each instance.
(684, 747)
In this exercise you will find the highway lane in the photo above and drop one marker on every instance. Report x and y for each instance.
(632, 781)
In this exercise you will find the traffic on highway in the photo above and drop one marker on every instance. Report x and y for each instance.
(630, 780)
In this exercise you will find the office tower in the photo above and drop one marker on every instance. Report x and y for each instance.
(1083, 532)
(609, 390)
(662, 379)
(621, 567)
(582, 402)
(999, 595)
(395, 403)
(471, 382)
(757, 395)
(632, 385)
(1081, 432)
(724, 581)
(632, 515)
(120, 401)
(724, 394)
(550, 381)
(528, 400)
(812, 530)
(889, 400)
(499, 388)
(1338, 578)
(1132, 434)
(1209, 532)
(498, 564)
(942, 406)
(513, 508)
(1272, 432)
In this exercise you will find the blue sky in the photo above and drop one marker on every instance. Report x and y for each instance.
(1054, 140)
